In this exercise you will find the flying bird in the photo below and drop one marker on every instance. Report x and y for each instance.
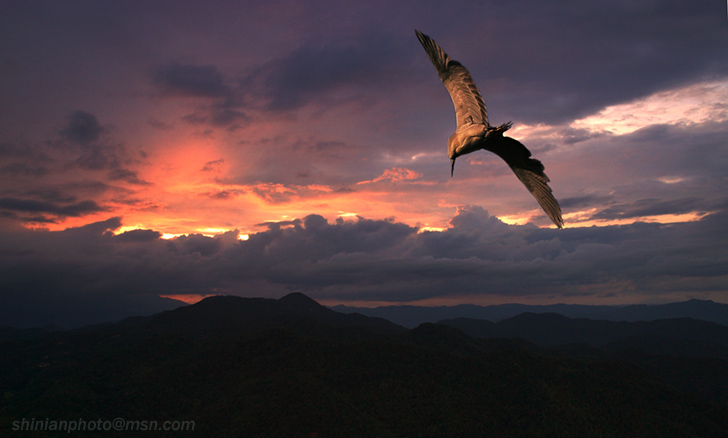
(474, 132)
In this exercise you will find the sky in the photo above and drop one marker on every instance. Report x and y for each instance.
(171, 150)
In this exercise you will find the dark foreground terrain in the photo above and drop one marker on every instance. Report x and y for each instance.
(290, 367)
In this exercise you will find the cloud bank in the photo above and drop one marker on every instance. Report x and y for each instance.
(81, 274)
(287, 123)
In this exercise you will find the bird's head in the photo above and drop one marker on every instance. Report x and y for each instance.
(452, 147)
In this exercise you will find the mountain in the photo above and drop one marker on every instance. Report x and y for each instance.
(237, 315)
(550, 329)
(290, 367)
(689, 354)
(412, 316)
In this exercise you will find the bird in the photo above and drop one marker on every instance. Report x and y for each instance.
(474, 132)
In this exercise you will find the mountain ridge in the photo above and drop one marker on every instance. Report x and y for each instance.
(552, 329)
(412, 316)
(291, 367)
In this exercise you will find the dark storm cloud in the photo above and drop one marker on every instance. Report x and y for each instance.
(362, 259)
(97, 154)
(324, 75)
(222, 106)
(83, 128)
(327, 75)
(187, 80)
(47, 181)
(52, 195)
(557, 61)
(33, 206)
(195, 243)
(138, 236)
(551, 62)
(83, 136)
(130, 176)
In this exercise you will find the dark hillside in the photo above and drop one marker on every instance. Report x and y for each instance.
(254, 367)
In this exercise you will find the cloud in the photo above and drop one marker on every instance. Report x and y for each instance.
(219, 117)
(32, 206)
(160, 125)
(303, 104)
(691, 104)
(213, 165)
(138, 236)
(83, 128)
(225, 194)
(380, 260)
(584, 202)
(648, 207)
(130, 176)
(229, 117)
(327, 75)
(66, 175)
(221, 106)
(556, 62)
(18, 160)
(395, 174)
(187, 80)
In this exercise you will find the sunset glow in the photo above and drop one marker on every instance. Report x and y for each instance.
(188, 298)
(692, 104)
(233, 150)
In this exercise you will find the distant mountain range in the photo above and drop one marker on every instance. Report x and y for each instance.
(412, 316)
(291, 367)
(551, 329)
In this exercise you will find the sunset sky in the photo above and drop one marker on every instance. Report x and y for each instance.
(188, 148)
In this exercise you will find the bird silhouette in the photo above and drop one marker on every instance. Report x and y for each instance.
(474, 132)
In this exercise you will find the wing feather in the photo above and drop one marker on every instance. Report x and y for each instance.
(468, 102)
(531, 173)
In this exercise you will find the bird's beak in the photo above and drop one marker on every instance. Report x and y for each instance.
(452, 169)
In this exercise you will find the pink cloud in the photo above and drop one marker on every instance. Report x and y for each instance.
(395, 174)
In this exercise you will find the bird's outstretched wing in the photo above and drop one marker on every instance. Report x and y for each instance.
(530, 172)
(469, 104)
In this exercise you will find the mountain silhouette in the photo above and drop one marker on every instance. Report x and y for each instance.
(233, 315)
(412, 316)
(550, 329)
(291, 367)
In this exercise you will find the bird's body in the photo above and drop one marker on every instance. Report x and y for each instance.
(474, 132)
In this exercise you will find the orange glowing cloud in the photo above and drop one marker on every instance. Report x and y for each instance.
(395, 174)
